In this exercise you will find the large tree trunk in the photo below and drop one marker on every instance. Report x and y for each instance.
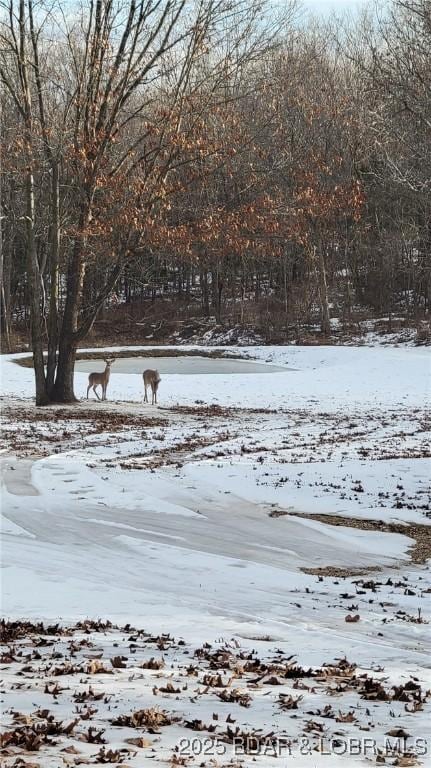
(62, 391)
(53, 293)
(35, 295)
(71, 335)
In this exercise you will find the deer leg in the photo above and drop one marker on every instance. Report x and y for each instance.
(145, 396)
(88, 389)
(94, 390)
(103, 393)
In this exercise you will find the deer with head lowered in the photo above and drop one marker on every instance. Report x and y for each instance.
(100, 379)
(151, 379)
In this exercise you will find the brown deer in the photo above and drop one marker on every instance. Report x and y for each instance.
(151, 379)
(100, 379)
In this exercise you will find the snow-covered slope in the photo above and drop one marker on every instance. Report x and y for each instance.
(191, 521)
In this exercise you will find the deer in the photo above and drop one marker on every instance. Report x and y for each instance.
(151, 379)
(100, 379)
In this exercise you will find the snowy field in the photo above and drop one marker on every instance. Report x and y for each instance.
(269, 533)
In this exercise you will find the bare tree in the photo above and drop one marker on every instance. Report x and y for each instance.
(102, 96)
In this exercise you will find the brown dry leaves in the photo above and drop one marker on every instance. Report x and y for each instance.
(227, 677)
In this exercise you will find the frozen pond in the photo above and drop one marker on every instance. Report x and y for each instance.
(186, 364)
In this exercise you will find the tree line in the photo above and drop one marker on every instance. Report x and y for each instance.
(224, 153)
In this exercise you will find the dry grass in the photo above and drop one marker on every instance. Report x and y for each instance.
(215, 410)
(100, 420)
(344, 573)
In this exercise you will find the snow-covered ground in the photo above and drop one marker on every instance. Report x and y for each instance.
(196, 518)
(325, 378)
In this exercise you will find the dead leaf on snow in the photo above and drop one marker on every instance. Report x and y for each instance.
(140, 742)
(286, 701)
(96, 667)
(169, 688)
(153, 664)
(235, 695)
(198, 725)
(348, 717)
(118, 662)
(151, 718)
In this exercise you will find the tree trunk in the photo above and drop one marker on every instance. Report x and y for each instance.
(205, 292)
(242, 301)
(286, 294)
(217, 290)
(53, 294)
(325, 323)
(257, 286)
(5, 312)
(219, 299)
(5, 276)
(35, 295)
(62, 391)
(7, 235)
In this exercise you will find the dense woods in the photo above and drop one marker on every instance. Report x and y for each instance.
(216, 160)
